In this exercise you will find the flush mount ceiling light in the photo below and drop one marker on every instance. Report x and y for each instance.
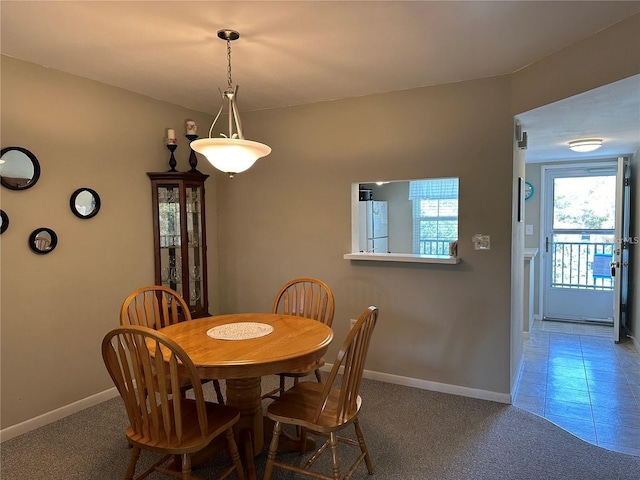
(587, 145)
(230, 154)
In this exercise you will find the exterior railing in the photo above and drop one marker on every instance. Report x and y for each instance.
(434, 247)
(582, 265)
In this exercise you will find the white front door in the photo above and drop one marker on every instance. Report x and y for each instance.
(579, 242)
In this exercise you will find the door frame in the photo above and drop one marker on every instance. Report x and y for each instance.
(544, 210)
(620, 264)
(548, 173)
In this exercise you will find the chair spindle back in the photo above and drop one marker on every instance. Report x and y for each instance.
(154, 306)
(352, 356)
(140, 373)
(306, 297)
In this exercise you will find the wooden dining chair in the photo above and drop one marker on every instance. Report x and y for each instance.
(159, 421)
(303, 297)
(157, 306)
(325, 409)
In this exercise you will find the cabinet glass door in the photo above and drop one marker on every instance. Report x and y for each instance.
(170, 237)
(180, 238)
(195, 246)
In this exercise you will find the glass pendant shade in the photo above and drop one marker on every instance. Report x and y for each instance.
(230, 155)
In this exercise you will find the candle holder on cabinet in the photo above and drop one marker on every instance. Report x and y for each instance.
(172, 160)
(193, 160)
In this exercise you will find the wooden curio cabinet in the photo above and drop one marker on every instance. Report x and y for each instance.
(180, 236)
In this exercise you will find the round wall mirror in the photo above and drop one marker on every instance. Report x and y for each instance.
(19, 168)
(4, 221)
(85, 203)
(43, 240)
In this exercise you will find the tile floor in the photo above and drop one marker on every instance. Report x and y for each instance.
(578, 378)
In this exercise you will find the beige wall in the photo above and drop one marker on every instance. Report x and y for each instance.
(291, 217)
(611, 54)
(56, 308)
(287, 216)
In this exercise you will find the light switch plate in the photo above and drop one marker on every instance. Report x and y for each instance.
(528, 230)
(481, 242)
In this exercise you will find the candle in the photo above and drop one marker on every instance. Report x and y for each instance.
(171, 136)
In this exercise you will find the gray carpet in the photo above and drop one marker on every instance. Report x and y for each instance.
(411, 434)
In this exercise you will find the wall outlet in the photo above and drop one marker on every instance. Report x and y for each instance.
(353, 322)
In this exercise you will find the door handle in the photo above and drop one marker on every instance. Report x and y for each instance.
(614, 265)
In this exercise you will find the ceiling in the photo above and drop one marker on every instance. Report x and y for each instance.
(611, 113)
(300, 52)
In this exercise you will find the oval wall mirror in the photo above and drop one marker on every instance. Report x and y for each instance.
(4, 221)
(43, 240)
(85, 203)
(19, 168)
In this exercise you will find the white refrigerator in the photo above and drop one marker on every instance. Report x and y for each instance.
(374, 236)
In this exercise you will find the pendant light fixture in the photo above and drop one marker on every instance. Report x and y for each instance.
(230, 154)
(587, 145)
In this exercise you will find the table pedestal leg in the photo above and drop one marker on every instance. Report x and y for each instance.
(245, 395)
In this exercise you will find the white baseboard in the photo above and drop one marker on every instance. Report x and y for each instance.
(50, 417)
(433, 386)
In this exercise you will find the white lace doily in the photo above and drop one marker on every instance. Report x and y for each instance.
(240, 331)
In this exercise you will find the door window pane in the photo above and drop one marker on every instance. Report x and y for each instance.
(585, 203)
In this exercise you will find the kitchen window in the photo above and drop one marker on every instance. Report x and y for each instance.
(435, 215)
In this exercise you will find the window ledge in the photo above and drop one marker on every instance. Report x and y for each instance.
(402, 257)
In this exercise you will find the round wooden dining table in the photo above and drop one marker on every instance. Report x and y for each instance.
(278, 343)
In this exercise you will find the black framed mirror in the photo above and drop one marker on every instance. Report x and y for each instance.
(4, 221)
(43, 240)
(19, 168)
(85, 203)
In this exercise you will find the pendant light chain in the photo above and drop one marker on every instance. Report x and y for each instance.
(229, 82)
